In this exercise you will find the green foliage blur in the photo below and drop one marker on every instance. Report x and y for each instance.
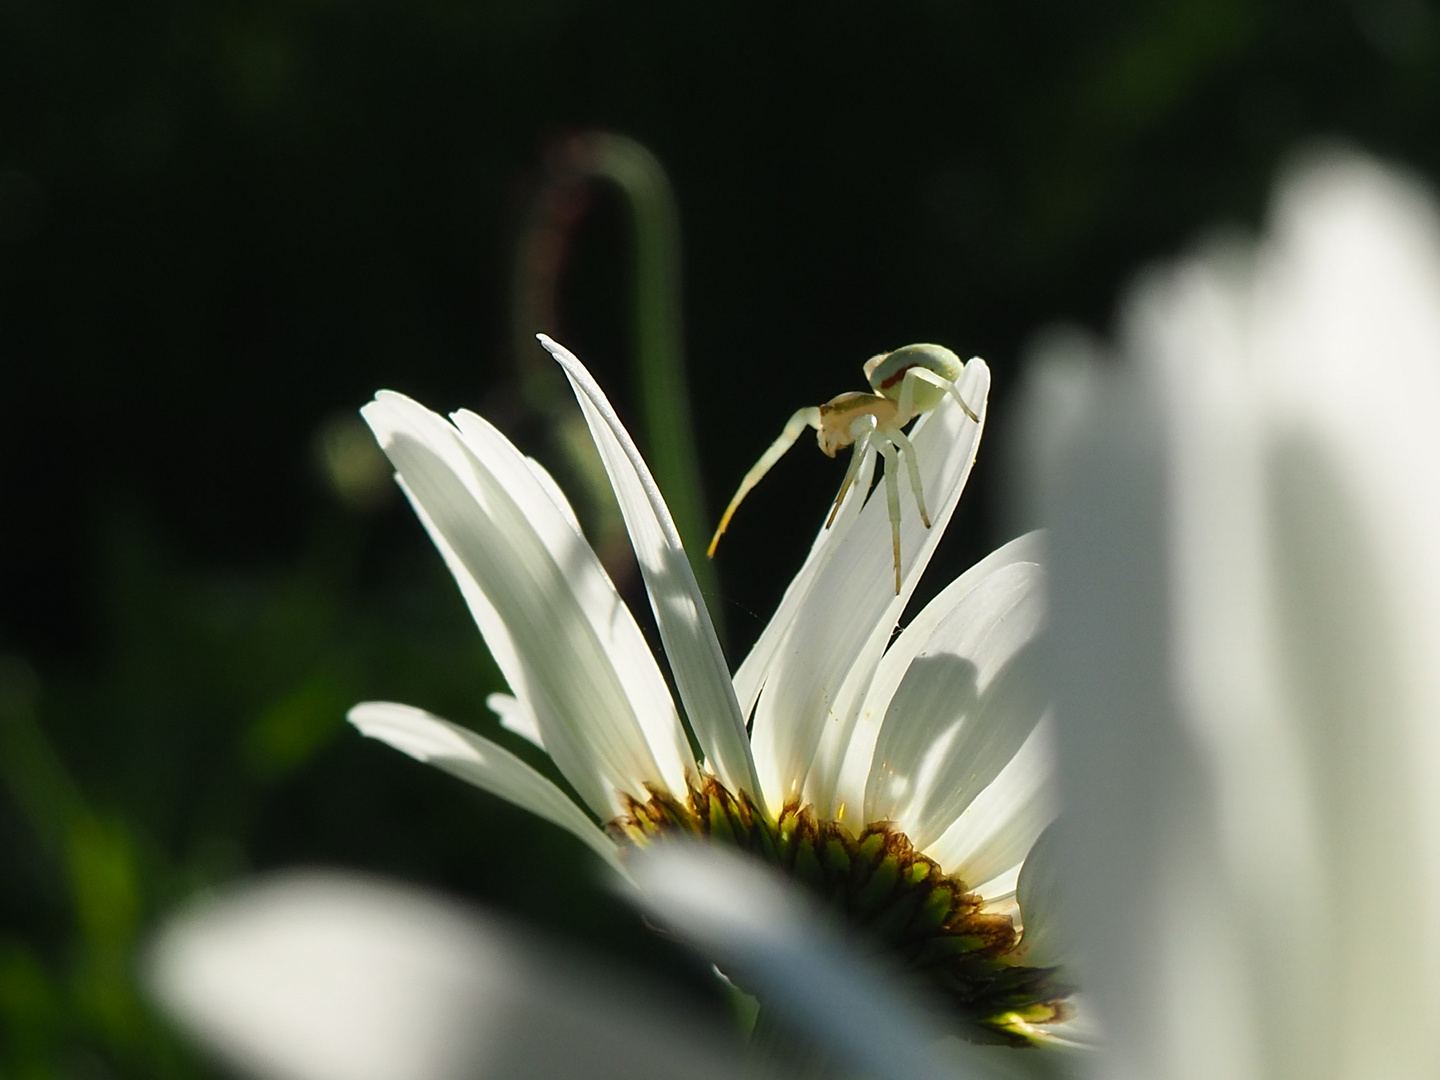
(223, 226)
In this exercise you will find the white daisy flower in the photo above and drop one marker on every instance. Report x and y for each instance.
(905, 780)
(1246, 557)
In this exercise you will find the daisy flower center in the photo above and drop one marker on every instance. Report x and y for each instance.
(893, 896)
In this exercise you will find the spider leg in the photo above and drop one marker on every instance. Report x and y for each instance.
(905, 405)
(925, 375)
(892, 498)
(912, 468)
(857, 458)
(803, 418)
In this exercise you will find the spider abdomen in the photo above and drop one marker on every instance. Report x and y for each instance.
(886, 371)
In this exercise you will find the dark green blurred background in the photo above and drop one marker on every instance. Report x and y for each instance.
(224, 225)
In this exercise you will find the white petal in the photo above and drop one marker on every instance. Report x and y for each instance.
(969, 699)
(328, 976)
(553, 490)
(751, 921)
(1122, 762)
(1037, 891)
(1349, 303)
(625, 645)
(999, 891)
(998, 828)
(515, 716)
(1248, 650)
(696, 660)
(476, 759)
(558, 630)
(815, 659)
(1226, 727)
(751, 675)
(865, 730)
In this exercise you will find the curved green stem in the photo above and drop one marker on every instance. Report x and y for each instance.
(667, 427)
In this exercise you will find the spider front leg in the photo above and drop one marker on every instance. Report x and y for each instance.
(861, 447)
(803, 418)
(912, 469)
(892, 497)
(916, 374)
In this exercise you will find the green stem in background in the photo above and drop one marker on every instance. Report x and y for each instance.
(98, 858)
(96, 852)
(667, 428)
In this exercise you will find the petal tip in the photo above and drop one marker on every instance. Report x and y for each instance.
(368, 716)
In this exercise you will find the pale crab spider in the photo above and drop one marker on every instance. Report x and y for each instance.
(907, 382)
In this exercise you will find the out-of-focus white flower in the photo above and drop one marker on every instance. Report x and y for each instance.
(319, 975)
(883, 773)
(1246, 567)
(327, 975)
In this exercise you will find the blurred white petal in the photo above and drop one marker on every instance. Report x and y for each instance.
(1247, 628)
(329, 976)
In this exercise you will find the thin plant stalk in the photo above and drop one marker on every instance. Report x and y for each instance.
(666, 420)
